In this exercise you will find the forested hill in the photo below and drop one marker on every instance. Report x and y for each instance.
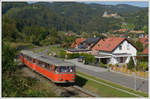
(23, 19)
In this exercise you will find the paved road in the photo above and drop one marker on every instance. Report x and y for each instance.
(128, 81)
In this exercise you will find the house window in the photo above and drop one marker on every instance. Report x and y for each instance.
(120, 47)
(98, 45)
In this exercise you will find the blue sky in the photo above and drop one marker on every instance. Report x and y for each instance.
(135, 3)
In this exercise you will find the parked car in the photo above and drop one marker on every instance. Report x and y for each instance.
(81, 58)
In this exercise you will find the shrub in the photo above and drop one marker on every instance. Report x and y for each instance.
(110, 65)
(117, 65)
(71, 56)
(130, 64)
(62, 54)
(88, 58)
(142, 66)
(102, 65)
(139, 46)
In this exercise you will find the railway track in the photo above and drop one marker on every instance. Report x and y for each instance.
(76, 91)
(71, 90)
(63, 90)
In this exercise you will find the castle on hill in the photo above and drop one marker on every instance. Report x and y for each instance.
(114, 15)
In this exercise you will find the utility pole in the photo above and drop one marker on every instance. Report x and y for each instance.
(134, 72)
(134, 80)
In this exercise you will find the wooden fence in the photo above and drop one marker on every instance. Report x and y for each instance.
(127, 71)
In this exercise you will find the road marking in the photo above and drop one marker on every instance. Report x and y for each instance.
(110, 86)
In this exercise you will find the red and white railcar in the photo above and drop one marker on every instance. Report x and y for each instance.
(54, 69)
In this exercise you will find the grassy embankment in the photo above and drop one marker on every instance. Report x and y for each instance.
(89, 82)
(18, 84)
(34, 86)
(52, 50)
(100, 89)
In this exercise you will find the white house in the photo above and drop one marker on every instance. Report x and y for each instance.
(114, 50)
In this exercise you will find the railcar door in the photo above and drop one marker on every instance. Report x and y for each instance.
(34, 63)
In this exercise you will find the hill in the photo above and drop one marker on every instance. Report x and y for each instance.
(20, 19)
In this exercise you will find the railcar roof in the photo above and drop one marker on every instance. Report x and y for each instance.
(30, 53)
(47, 59)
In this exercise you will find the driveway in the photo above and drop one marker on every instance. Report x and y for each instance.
(128, 81)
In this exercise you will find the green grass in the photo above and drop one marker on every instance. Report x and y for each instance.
(39, 50)
(51, 49)
(106, 91)
(55, 49)
(20, 44)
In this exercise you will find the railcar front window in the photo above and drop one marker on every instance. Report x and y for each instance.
(64, 69)
(70, 69)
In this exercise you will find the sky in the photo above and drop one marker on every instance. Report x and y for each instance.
(135, 3)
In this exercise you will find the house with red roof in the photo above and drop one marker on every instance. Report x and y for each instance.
(77, 42)
(145, 51)
(114, 50)
(144, 41)
(82, 45)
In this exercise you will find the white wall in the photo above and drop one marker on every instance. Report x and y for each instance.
(126, 48)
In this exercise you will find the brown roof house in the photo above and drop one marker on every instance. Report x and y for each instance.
(114, 50)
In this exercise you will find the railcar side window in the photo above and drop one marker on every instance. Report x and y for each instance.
(63, 69)
(39, 63)
(33, 60)
(50, 67)
(30, 59)
(56, 69)
(47, 66)
(43, 64)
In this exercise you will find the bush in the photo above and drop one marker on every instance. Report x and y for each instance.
(139, 46)
(8, 55)
(130, 64)
(102, 65)
(142, 58)
(36, 93)
(71, 56)
(88, 58)
(117, 65)
(142, 66)
(62, 54)
(110, 65)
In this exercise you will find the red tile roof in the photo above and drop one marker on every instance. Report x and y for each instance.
(134, 31)
(121, 30)
(77, 42)
(109, 44)
(144, 40)
(145, 51)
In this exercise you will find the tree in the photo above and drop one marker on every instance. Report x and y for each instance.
(130, 64)
(139, 46)
(145, 29)
(8, 55)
